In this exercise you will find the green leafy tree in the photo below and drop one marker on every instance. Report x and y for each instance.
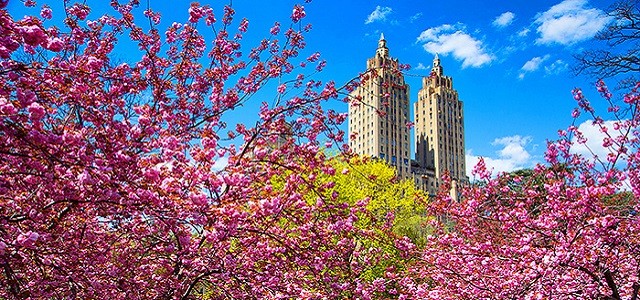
(389, 199)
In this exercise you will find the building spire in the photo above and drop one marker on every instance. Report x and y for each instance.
(382, 46)
(437, 68)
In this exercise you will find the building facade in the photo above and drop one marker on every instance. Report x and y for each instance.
(379, 114)
(439, 126)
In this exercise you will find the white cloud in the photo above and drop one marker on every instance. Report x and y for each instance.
(453, 39)
(532, 65)
(524, 32)
(220, 163)
(556, 67)
(511, 157)
(594, 139)
(504, 19)
(569, 22)
(415, 17)
(379, 14)
(420, 66)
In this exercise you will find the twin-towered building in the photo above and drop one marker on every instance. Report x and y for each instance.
(380, 124)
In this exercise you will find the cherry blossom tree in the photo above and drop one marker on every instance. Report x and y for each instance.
(113, 181)
(135, 180)
(567, 230)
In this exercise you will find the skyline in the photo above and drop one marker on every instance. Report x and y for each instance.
(510, 61)
(510, 64)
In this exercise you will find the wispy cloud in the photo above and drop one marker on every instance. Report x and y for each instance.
(556, 67)
(569, 22)
(512, 156)
(378, 15)
(532, 65)
(453, 39)
(420, 66)
(415, 17)
(524, 32)
(504, 20)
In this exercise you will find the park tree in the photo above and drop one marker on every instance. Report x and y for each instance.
(389, 199)
(134, 179)
(565, 230)
(386, 218)
(113, 181)
(618, 50)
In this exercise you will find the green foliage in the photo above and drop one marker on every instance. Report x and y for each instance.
(386, 211)
(389, 199)
(394, 209)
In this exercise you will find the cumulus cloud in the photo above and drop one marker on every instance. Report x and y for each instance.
(504, 20)
(512, 155)
(532, 65)
(569, 22)
(594, 139)
(379, 14)
(453, 39)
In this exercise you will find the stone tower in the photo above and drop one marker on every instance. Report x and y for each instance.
(379, 113)
(439, 126)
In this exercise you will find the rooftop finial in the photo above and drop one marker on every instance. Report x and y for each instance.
(382, 36)
(436, 58)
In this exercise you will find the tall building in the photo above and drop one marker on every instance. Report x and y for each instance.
(378, 118)
(439, 126)
(379, 115)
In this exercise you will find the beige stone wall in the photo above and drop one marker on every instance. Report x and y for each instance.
(439, 126)
(379, 113)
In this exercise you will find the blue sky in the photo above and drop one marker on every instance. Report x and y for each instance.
(510, 60)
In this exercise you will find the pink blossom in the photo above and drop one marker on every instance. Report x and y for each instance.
(298, 13)
(282, 88)
(275, 29)
(36, 111)
(314, 57)
(55, 44)
(27, 239)
(6, 107)
(575, 113)
(45, 12)
(94, 63)
(33, 35)
(195, 12)
(244, 24)
(81, 11)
